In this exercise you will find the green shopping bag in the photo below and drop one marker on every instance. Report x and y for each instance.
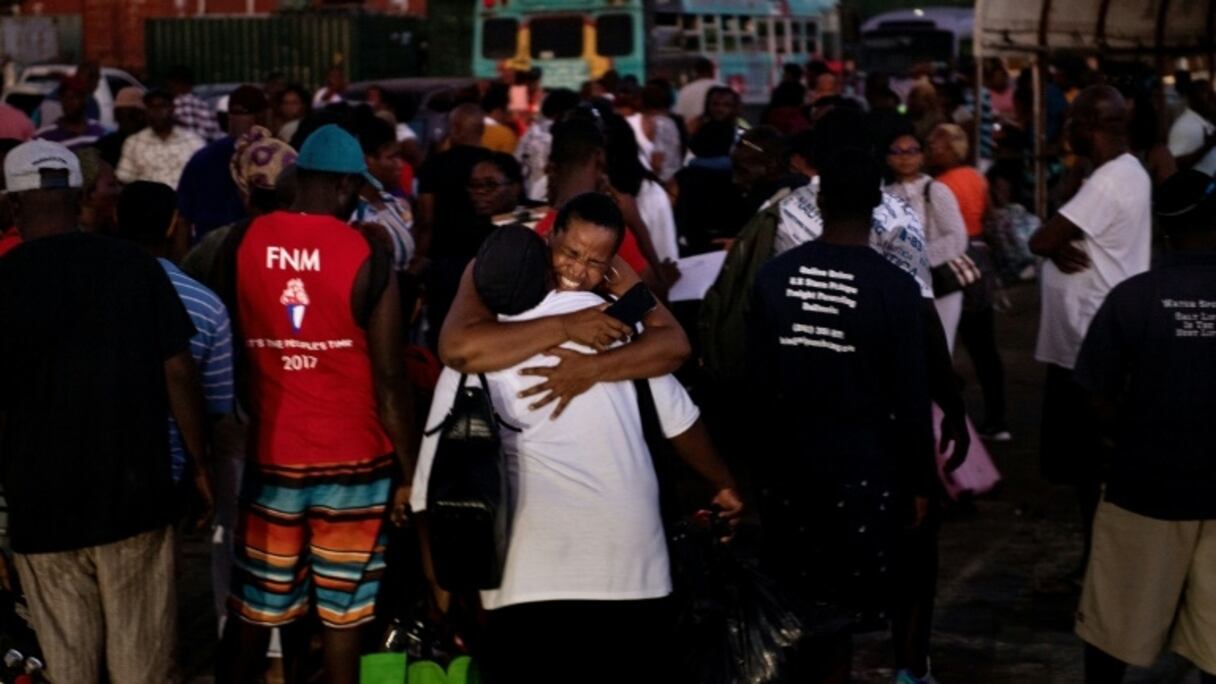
(460, 671)
(382, 668)
(390, 668)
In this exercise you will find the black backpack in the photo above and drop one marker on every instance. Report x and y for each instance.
(468, 495)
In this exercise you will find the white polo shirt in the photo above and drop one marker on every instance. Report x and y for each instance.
(586, 520)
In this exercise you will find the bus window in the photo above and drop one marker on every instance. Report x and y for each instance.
(557, 37)
(614, 35)
(710, 32)
(812, 37)
(668, 32)
(730, 38)
(747, 34)
(779, 34)
(498, 38)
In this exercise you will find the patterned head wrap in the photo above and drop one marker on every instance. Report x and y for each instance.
(258, 160)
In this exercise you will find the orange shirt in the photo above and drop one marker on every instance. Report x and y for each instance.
(499, 138)
(970, 188)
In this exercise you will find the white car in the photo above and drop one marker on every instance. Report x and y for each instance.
(39, 81)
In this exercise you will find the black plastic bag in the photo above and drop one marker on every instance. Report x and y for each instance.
(734, 625)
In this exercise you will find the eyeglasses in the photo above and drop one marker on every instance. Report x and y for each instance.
(486, 185)
(904, 151)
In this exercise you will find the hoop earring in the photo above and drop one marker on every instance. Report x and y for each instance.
(611, 274)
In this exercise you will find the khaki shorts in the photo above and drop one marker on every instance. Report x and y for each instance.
(1150, 583)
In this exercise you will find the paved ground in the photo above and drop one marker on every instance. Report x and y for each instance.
(1003, 616)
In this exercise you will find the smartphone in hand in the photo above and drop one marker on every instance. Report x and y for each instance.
(633, 306)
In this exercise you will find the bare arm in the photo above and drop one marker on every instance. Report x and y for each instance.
(424, 224)
(394, 401)
(473, 340)
(185, 392)
(661, 349)
(694, 447)
(1054, 241)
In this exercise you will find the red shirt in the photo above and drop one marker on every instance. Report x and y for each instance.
(310, 374)
(629, 250)
(8, 240)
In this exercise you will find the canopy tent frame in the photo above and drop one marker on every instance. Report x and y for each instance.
(991, 40)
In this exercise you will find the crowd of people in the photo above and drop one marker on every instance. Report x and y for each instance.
(234, 323)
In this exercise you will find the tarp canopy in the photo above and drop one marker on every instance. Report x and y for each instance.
(1108, 26)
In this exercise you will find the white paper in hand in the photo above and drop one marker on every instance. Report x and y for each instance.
(697, 275)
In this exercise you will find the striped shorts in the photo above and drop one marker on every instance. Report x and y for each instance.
(311, 531)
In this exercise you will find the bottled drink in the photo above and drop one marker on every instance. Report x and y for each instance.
(33, 672)
(395, 638)
(13, 665)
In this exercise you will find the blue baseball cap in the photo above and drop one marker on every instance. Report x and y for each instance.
(332, 150)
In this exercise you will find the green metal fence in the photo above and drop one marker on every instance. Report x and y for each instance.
(302, 46)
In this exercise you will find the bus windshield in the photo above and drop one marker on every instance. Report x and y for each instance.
(556, 37)
(894, 51)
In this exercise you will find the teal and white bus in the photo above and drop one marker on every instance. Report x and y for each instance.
(573, 41)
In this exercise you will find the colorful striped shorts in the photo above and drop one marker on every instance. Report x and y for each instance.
(311, 531)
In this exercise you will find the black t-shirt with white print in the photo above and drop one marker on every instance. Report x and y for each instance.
(1152, 348)
(836, 351)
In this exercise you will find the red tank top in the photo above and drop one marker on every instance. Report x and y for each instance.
(310, 374)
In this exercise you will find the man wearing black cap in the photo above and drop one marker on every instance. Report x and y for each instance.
(1149, 361)
(207, 196)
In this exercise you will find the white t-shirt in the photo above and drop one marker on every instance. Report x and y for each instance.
(1188, 135)
(655, 207)
(1113, 211)
(897, 233)
(690, 101)
(586, 511)
(645, 146)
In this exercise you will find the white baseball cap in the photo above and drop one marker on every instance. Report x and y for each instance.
(25, 163)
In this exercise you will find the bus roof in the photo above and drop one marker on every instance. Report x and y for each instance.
(795, 8)
(958, 20)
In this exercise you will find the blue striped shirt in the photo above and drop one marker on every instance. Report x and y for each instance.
(211, 348)
(397, 218)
